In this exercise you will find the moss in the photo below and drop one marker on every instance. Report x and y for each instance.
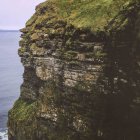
(70, 55)
(31, 20)
(33, 47)
(21, 50)
(99, 54)
(22, 42)
(22, 111)
(73, 63)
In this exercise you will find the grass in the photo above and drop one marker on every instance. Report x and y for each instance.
(22, 110)
(89, 14)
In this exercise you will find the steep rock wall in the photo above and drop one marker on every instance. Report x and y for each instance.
(78, 84)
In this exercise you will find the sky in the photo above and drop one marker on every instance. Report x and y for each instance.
(15, 13)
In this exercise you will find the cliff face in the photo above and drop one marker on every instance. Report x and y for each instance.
(80, 83)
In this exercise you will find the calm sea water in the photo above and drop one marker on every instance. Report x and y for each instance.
(10, 76)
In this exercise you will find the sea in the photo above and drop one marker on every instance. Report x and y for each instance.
(11, 71)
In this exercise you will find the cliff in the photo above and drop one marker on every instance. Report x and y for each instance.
(82, 72)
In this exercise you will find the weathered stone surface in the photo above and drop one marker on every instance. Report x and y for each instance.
(78, 85)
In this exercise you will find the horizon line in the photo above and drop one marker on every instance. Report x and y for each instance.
(9, 29)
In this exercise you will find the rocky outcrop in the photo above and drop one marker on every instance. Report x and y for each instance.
(79, 84)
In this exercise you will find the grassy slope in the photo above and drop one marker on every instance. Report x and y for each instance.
(91, 14)
(94, 14)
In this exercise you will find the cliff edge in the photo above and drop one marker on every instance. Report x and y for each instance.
(82, 72)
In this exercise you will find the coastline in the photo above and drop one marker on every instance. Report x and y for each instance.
(3, 134)
(9, 30)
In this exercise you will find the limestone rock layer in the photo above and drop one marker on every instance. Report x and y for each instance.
(80, 83)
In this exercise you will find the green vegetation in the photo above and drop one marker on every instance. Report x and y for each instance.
(91, 14)
(70, 55)
(88, 14)
(23, 110)
(21, 51)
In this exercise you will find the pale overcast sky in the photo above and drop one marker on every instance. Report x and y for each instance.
(14, 13)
